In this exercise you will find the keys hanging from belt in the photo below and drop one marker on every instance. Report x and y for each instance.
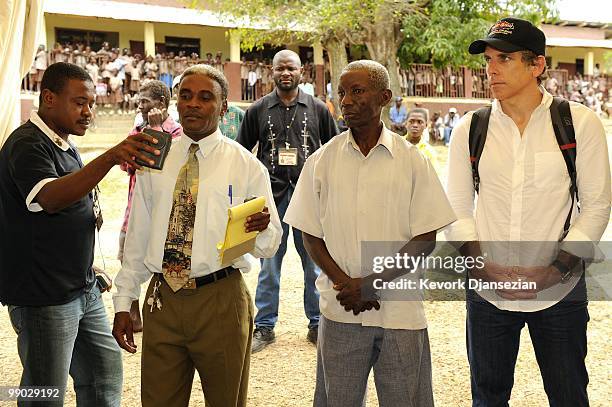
(154, 300)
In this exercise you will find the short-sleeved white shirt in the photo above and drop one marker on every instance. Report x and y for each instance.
(345, 198)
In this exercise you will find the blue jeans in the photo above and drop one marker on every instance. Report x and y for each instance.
(266, 296)
(447, 135)
(73, 338)
(559, 339)
(166, 78)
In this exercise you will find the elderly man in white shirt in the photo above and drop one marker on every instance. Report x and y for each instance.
(199, 314)
(523, 202)
(367, 184)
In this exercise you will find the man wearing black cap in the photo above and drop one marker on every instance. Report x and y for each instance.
(521, 162)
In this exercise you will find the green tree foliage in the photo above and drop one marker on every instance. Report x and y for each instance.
(393, 31)
(443, 31)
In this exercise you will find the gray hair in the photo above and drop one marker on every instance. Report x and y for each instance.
(213, 73)
(158, 90)
(377, 73)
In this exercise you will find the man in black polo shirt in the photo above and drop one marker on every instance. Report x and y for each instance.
(287, 125)
(47, 223)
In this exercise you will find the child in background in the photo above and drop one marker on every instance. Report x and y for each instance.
(41, 62)
(135, 73)
(93, 70)
(116, 92)
(150, 76)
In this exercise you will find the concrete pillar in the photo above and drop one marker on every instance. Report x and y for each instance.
(319, 79)
(589, 63)
(231, 70)
(319, 68)
(234, 37)
(318, 53)
(149, 39)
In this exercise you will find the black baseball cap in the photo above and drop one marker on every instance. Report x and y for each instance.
(511, 35)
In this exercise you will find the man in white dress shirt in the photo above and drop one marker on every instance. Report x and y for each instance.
(207, 322)
(368, 184)
(524, 196)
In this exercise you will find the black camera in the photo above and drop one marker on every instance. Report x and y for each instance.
(164, 141)
(104, 282)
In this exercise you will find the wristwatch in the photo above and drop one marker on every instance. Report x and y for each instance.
(566, 273)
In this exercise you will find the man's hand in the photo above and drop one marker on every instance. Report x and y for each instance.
(351, 296)
(130, 148)
(258, 221)
(124, 332)
(543, 276)
(494, 272)
(491, 272)
(156, 117)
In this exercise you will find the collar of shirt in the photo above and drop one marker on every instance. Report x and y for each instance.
(57, 140)
(547, 99)
(274, 99)
(207, 144)
(385, 139)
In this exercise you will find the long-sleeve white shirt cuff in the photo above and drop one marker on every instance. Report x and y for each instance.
(122, 304)
(128, 287)
(579, 244)
(462, 230)
(267, 242)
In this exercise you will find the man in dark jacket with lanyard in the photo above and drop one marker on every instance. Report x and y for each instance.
(287, 126)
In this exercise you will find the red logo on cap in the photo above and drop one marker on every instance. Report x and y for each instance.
(502, 27)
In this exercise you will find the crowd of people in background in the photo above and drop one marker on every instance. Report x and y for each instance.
(118, 74)
(256, 78)
(422, 80)
(437, 127)
(591, 91)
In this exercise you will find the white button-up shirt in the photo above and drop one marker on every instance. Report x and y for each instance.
(392, 195)
(222, 162)
(524, 193)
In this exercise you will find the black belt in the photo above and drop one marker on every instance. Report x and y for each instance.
(193, 283)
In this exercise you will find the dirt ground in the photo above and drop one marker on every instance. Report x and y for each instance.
(284, 373)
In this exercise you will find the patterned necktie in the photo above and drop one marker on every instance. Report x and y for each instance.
(176, 265)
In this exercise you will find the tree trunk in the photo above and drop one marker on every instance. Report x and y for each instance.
(383, 40)
(385, 53)
(336, 51)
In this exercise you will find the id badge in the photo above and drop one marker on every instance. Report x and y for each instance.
(96, 209)
(287, 156)
(99, 221)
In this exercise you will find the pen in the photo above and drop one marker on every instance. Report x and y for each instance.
(229, 193)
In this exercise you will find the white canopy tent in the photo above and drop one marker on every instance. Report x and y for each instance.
(20, 21)
(145, 12)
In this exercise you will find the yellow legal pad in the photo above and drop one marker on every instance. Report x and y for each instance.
(237, 242)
